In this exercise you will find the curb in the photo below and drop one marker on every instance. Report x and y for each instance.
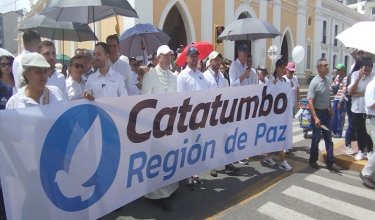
(345, 161)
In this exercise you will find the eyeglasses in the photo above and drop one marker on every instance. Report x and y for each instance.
(77, 65)
(5, 64)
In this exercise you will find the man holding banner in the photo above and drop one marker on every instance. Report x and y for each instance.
(192, 79)
(216, 79)
(160, 80)
(105, 82)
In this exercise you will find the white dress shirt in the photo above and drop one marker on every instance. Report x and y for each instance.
(236, 70)
(124, 69)
(110, 85)
(20, 100)
(17, 69)
(188, 80)
(215, 80)
(75, 89)
(358, 102)
(58, 79)
(159, 81)
(133, 81)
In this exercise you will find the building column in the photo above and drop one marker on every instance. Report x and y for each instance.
(277, 23)
(130, 22)
(229, 17)
(318, 33)
(144, 10)
(207, 22)
(259, 58)
(301, 34)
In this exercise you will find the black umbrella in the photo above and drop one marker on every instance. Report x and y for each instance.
(49, 28)
(141, 39)
(249, 29)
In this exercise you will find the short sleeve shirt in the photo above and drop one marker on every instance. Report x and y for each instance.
(188, 80)
(20, 100)
(319, 90)
(358, 102)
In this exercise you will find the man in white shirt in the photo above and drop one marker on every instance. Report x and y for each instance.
(368, 172)
(31, 39)
(191, 79)
(216, 79)
(86, 61)
(357, 87)
(253, 77)
(105, 82)
(48, 51)
(119, 65)
(160, 79)
(75, 83)
(213, 76)
(133, 77)
(238, 71)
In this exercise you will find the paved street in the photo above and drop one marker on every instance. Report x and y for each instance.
(259, 191)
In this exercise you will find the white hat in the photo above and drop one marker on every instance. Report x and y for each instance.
(59, 67)
(34, 60)
(163, 49)
(124, 58)
(213, 55)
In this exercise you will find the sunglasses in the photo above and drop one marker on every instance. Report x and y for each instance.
(5, 64)
(77, 65)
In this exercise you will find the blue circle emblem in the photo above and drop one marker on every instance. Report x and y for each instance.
(63, 189)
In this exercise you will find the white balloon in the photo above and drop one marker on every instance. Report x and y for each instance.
(298, 54)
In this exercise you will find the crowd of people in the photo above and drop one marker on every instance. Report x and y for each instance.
(32, 79)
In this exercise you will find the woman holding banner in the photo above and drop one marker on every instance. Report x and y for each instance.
(277, 78)
(35, 92)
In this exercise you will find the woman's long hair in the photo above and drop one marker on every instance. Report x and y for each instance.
(10, 59)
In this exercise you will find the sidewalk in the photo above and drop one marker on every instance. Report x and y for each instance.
(343, 160)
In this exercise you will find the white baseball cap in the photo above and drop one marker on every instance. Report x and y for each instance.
(163, 49)
(34, 60)
(213, 55)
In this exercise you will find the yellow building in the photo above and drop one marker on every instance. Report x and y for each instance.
(312, 24)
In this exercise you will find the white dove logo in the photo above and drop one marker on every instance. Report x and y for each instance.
(70, 182)
(80, 157)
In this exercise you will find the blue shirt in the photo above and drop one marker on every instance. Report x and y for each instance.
(5, 93)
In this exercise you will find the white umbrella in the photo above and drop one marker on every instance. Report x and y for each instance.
(359, 36)
(248, 29)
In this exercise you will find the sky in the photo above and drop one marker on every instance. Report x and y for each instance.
(15, 5)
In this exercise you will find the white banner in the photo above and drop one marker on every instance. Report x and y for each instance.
(82, 159)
